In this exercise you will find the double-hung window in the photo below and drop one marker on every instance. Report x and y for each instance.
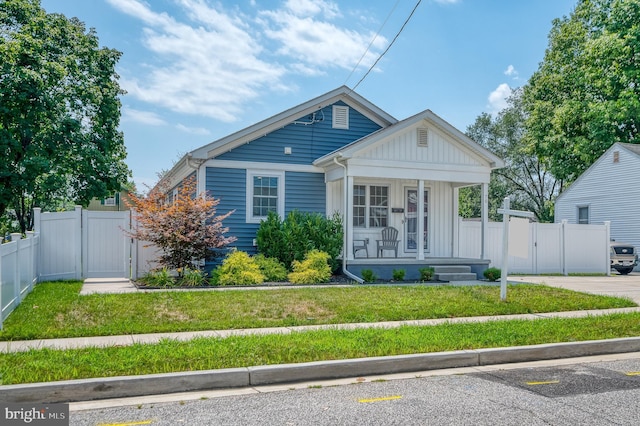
(370, 206)
(265, 193)
(583, 215)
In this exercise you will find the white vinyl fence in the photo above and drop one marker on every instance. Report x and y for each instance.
(561, 248)
(18, 271)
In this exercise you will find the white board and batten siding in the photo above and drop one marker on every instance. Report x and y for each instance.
(400, 155)
(610, 189)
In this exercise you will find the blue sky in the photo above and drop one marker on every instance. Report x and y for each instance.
(198, 70)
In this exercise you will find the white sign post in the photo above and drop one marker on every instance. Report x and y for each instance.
(506, 212)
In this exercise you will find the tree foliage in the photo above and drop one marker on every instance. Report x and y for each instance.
(186, 229)
(585, 96)
(524, 178)
(59, 111)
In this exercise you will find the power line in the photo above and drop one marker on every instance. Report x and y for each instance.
(389, 46)
(372, 41)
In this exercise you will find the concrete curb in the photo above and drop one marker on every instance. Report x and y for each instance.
(128, 386)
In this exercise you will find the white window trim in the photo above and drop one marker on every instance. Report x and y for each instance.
(343, 110)
(583, 206)
(367, 210)
(250, 218)
(110, 201)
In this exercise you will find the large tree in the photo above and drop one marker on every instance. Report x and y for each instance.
(586, 93)
(524, 178)
(59, 111)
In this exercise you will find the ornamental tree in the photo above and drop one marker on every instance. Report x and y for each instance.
(59, 112)
(186, 228)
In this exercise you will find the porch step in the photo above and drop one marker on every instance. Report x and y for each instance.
(454, 273)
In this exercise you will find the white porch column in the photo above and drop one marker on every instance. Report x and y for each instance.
(455, 220)
(420, 219)
(348, 222)
(485, 221)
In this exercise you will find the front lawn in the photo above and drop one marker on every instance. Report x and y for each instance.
(56, 309)
(46, 365)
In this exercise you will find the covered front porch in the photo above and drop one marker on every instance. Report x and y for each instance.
(406, 177)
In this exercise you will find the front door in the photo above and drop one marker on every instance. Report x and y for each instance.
(411, 220)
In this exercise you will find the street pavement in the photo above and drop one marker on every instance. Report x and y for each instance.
(79, 390)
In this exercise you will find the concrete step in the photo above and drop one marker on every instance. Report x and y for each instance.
(455, 276)
(455, 269)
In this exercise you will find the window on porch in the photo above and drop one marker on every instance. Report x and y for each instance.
(370, 206)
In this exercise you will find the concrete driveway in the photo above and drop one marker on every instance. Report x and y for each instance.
(614, 285)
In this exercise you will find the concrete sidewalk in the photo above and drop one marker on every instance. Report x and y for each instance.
(121, 387)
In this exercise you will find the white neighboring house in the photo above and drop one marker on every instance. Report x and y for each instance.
(608, 190)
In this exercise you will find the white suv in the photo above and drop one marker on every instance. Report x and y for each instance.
(624, 257)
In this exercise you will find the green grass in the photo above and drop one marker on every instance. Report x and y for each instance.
(56, 309)
(212, 353)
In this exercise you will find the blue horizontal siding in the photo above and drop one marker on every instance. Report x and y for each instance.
(228, 185)
(307, 142)
(305, 192)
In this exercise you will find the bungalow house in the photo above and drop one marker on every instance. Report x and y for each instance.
(340, 153)
(607, 191)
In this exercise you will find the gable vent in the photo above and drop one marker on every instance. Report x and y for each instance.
(340, 117)
(423, 137)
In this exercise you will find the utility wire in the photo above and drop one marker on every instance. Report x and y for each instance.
(372, 41)
(389, 46)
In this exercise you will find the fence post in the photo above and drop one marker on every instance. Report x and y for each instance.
(32, 259)
(78, 242)
(607, 231)
(563, 246)
(17, 237)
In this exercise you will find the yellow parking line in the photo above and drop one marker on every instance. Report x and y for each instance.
(548, 382)
(386, 398)
(633, 373)
(143, 422)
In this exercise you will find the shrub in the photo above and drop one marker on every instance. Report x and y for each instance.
(239, 269)
(159, 278)
(298, 234)
(271, 268)
(492, 274)
(186, 229)
(398, 274)
(368, 275)
(193, 277)
(314, 269)
(426, 274)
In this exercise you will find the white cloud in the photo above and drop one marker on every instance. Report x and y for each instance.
(317, 43)
(498, 98)
(511, 71)
(209, 67)
(212, 62)
(193, 130)
(144, 117)
(328, 9)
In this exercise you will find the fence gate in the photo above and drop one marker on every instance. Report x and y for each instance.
(106, 249)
